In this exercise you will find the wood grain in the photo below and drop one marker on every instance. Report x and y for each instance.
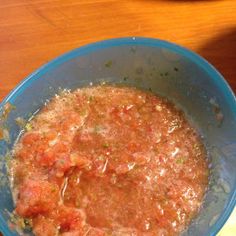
(32, 32)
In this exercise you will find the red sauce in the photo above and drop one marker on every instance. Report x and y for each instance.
(109, 161)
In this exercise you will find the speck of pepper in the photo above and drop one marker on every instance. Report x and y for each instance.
(108, 64)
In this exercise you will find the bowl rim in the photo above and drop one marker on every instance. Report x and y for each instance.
(217, 78)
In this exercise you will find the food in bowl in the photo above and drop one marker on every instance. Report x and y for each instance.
(109, 160)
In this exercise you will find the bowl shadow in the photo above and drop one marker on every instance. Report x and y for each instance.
(221, 53)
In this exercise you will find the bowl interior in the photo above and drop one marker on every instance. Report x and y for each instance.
(163, 68)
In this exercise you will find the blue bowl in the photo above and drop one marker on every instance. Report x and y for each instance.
(166, 69)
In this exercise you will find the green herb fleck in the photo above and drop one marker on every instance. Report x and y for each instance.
(101, 158)
(8, 158)
(28, 127)
(83, 112)
(105, 145)
(97, 128)
(62, 162)
(125, 78)
(180, 160)
(21, 223)
(108, 64)
(13, 218)
(13, 107)
(167, 73)
(150, 89)
(176, 69)
(27, 224)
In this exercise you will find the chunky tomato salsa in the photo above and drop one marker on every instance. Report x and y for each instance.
(109, 160)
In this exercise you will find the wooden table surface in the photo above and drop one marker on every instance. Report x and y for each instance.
(32, 32)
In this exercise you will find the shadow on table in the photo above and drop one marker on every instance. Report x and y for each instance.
(221, 53)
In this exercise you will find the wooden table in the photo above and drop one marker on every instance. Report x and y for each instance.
(32, 32)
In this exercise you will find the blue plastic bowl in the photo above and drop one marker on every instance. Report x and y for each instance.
(166, 69)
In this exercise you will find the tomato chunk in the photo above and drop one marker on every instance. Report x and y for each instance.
(70, 218)
(44, 227)
(37, 197)
(30, 138)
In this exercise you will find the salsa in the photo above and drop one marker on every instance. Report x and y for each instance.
(109, 161)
